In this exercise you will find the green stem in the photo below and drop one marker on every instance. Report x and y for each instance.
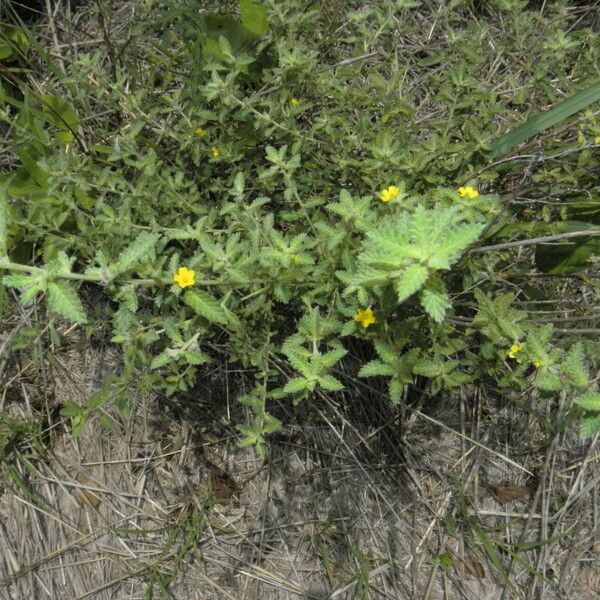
(19, 268)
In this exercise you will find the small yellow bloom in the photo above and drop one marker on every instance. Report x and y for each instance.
(294, 101)
(365, 317)
(514, 349)
(537, 363)
(199, 132)
(215, 152)
(597, 139)
(184, 277)
(389, 194)
(468, 192)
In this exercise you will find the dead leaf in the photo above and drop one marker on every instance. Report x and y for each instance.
(222, 485)
(86, 497)
(472, 566)
(506, 491)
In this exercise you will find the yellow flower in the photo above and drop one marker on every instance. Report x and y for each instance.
(514, 349)
(365, 317)
(537, 363)
(199, 132)
(215, 152)
(597, 139)
(468, 192)
(184, 277)
(294, 101)
(389, 194)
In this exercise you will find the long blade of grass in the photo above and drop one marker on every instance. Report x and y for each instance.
(545, 120)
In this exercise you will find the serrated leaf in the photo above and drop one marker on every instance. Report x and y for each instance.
(295, 385)
(160, 361)
(20, 281)
(139, 250)
(63, 300)
(329, 359)
(573, 366)
(206, 306)
(589, 427)
(589, 401)
(374, 368)
(410, 281)
(395, 389)
(330, 383)
(385, 351)
(436, 302)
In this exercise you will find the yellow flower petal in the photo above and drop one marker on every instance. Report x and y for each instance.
(184, 277)
(294, 101)
(468, 192)
(365, 317)
(513, 350)
(537, 363)
(389, 193)
(199, 132)
(215, 152)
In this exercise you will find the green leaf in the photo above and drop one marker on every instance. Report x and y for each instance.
(330, 383)
(140, 249)
(331, 358)
(589, 427)
(374, 368)
(589, 401)
(63, 300)
(29, 285)
(386, 352)
(436, 302)
(295, 385)
(545, 120)
(62, 116)
(573, 367)
(160, 361)
(567, 257)
(206, 306)
(254, 16)
(411, 281)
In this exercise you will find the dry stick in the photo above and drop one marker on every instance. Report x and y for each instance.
(540, 240)
(55, 35)
(534, 503)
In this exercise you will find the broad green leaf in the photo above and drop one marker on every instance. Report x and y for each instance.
(436, 302)
(545, 120)
(63, 300)
(206, 306)
(254, 16)
(589, 401)
(62, 116)
(567, 257)
(141, 249)
(411, 281)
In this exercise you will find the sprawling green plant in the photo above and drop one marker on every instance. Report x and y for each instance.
(247, 202)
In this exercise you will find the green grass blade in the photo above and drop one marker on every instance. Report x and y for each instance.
(545, 120)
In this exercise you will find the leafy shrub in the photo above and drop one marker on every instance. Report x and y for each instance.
(303, 207)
